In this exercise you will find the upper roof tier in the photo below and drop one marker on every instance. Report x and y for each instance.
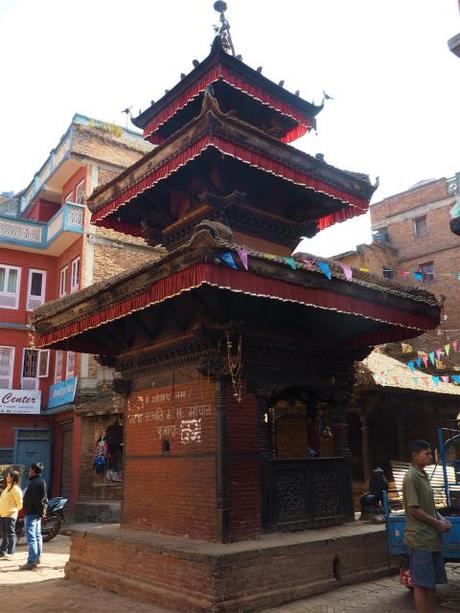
(238, 88)
(220, 167)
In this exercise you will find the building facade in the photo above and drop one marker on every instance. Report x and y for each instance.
(54, 408)
(413, 245)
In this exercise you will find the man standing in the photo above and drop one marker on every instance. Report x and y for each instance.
(424, 526)
(34, 504)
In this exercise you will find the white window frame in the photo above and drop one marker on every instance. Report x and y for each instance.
(42, 358)
(58, 376)
(63, 275)
(5, 294)
(39, 299)
(70, 372)
(69, 197)
(74, 287)
(80, 186)
(12, 356)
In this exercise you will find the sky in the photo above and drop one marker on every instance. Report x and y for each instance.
(395, 85)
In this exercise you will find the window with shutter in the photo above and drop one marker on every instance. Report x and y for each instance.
(70, 368)
(75, 275)
(80, 192)
(63, 281)
(10, 277)
(43, 363)
(58, 366)
(6, 367)
(36, 291)
(29, 379)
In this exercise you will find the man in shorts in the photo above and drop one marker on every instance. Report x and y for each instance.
(424, 526)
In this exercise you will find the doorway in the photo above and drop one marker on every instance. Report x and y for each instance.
(33, 446)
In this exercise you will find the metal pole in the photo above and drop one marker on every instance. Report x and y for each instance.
(442, 455)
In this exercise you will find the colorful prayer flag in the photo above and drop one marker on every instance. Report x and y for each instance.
(324, 268)
(447, 348)
(243, 255)
(431, 356)
(227, 258)
(435, 379)
(445, 378)
(347, 271)
(292, 263)
(410, 366)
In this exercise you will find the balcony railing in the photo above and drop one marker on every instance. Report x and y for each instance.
(41, 235)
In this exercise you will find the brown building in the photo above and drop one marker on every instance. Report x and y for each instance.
(413, 245)
(412, 239)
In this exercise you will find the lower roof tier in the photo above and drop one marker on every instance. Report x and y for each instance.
(217, 155)
(215, 281)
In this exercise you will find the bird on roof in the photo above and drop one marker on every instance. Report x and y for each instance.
(195, 63)
(182, 75)
(281, 83)
(259, 68)
(297, 92)
(326, 96)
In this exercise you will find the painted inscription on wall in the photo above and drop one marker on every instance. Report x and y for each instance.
(180, 414)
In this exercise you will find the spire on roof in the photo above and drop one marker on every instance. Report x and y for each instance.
(224, 30)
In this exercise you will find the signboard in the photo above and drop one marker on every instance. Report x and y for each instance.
(62, 392)
(25, 402)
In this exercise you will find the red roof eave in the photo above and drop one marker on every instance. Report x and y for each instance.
(254, 285)
(221, 72)
(357, 205)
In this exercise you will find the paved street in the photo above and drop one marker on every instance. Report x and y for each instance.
(46, 591)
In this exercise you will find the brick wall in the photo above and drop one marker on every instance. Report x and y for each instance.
(438, 245)
(111, 259)
(172, 492)
(405, 201)
(99, 146)
(244, 466)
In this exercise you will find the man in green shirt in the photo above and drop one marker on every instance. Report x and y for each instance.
(424, 526)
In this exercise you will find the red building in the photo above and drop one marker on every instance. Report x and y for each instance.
(48, 250)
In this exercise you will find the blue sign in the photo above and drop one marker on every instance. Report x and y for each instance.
(62, 392)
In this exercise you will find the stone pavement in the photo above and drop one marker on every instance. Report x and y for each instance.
(380, 596)
(46, 591)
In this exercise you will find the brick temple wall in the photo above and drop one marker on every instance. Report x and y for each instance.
(170, 461)
(244, 466)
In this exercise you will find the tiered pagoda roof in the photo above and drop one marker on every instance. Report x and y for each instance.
(239, 89)
(219, 166)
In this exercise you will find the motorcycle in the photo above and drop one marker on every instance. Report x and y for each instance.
(51, 523)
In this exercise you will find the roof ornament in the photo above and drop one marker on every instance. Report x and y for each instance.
(224, 30)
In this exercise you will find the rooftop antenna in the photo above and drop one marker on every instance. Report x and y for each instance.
(224, 30)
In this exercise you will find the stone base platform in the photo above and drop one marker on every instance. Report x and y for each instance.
(186, 575)
(99, 511)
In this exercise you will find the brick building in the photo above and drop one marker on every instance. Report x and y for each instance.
(412, 235)
(414, 245)
(49, 249)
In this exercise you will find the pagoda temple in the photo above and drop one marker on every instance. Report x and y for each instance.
(235, 357)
